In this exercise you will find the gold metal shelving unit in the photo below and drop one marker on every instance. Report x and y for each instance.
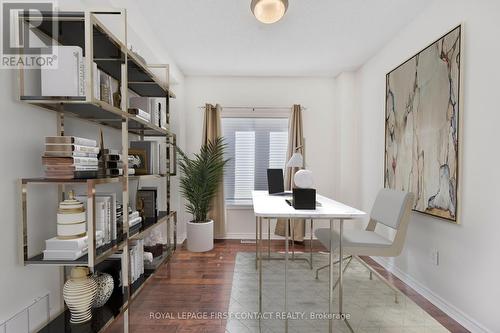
(111, 55)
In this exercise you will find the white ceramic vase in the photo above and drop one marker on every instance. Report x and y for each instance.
(79, 293)
(200, 236)
(105, 285)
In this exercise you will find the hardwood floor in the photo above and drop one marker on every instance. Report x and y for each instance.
(201, 282)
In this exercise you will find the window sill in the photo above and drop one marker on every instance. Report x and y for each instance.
(239, 204)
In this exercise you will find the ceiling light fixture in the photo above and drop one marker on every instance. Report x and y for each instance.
(269, 11)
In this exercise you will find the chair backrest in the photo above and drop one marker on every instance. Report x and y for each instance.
(393, 209)
(389, 207)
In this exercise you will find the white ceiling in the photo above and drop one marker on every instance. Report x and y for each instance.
(315, 38)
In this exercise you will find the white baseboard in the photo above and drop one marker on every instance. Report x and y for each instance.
(459, 316)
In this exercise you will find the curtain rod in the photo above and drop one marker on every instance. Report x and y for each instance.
(253, 108)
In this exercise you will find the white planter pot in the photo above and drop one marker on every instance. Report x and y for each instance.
(200, 236)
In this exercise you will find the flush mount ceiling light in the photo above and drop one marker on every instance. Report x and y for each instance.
(269, 11)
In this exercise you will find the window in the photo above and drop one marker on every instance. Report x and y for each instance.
(254, 145)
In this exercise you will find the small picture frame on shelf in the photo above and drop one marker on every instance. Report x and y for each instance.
(139, 160)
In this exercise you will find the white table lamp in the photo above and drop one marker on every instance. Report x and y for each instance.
(302, 178)
(296, 161)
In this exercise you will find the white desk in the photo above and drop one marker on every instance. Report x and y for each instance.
(266, 206)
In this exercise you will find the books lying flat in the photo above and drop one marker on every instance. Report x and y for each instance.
(46, 160)
(77, 244)
(71, 174)
(132, 222)
(70, 140)
(71, 167)
(71, 147)
(68, 154)
(140, 114)
(63, 255)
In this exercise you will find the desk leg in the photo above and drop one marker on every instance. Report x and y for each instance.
(292, 231)
(330, 280)
(256, 242)
(260, 264)
(341, 271)
(311, 246)
(286, 277)
(269, 238)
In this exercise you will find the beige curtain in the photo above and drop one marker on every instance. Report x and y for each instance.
(212, 130)
(295, 140)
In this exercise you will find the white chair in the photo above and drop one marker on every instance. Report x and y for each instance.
(392, 208)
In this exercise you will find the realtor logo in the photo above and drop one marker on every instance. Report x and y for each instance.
(28, 34)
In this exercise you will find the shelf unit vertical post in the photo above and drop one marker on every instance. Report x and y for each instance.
(91, 224)
(23, 233)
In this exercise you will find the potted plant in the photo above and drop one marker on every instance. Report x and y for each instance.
(199, 182)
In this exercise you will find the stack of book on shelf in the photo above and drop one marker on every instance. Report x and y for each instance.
(68, 249)
(110, 163)
(136, 260)
(105, 215)
(68, 157)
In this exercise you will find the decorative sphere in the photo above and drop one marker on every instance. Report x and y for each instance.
(303, 179)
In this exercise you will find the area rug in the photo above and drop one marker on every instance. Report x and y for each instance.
(369, 303)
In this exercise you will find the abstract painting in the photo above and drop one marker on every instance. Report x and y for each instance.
(422, 127)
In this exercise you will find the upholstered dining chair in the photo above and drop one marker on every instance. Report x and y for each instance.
(392, 209)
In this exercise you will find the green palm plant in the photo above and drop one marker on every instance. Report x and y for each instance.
(201, 176)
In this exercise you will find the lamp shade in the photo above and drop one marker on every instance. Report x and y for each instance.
(269, 11)
(296, 161)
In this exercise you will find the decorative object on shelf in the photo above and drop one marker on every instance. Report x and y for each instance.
(147, 202)
(156, 250)
(117, 97)
(200, 178)
(152, 149)
(112, 162)
(131, 48)
(105, 286)
(105, 91)
(71, 218)
(269, 11)
(138, 161)
(79, 293)
(422, 123)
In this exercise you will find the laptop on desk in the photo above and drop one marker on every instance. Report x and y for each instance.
(275, 182)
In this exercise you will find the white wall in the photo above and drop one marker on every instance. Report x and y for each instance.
(316, 94)
(23, 135)
(466, 281)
